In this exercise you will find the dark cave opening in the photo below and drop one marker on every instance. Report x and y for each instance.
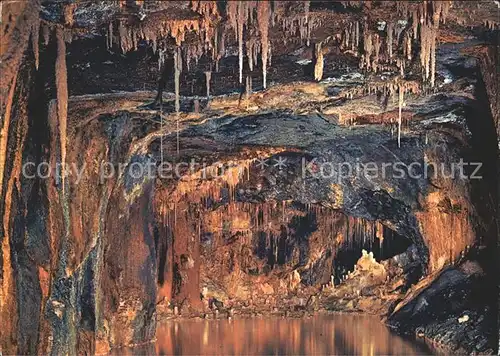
(292, 241)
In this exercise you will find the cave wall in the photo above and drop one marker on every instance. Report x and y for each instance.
(121, 251)
(20, 256)
(20, 288)
(64, 286)
(103, 287)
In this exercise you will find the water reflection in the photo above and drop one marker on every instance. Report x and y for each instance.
(320, 335)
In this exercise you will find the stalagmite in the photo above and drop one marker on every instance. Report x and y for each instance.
(318, 66)
(263, 20)
(62, 94)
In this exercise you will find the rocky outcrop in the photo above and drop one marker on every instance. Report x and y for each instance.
(450, 312)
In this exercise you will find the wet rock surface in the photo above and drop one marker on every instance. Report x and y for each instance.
(451, 311)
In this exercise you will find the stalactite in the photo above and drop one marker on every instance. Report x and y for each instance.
(109, 36)
(46, 34)
(232, 14)
(122, 32)
(433, 59)
(429, 29)
(4, 133)
(205, 8)
(68, 13)
(368, 48)
(250, 49)
(390, 29)
(68, 36)
(208, 76)
(307, 5)
(400, 107)
(377, 52)
(318, 66)
(415, 20)
(248, 90)
(222, 49)
(62, 94)
(425, 43)
(263, 20)
(188, 56)
(357, 34)
(35, 40)
(241, 21)
(255, 53)
(134, 39)
(440, 8)
(350, 37)
(154, 43)
(270, 55)
(161, 59)
(177, 75)
(108, 47)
